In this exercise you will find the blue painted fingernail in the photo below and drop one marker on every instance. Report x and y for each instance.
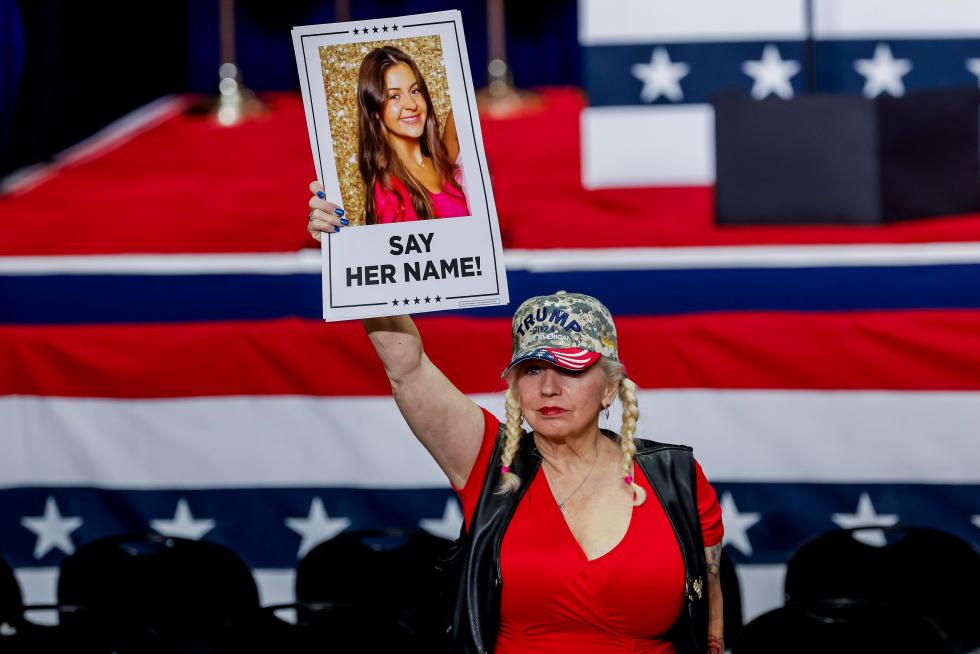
(344, 222)
(339, 211)
(320, 195)
(336, 229)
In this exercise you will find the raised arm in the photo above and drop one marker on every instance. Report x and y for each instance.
(447, 423)
(716, 615)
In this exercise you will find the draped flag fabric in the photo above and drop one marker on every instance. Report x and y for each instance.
(163, 366)
(651, 69)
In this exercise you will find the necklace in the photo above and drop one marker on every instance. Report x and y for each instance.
(563, 502)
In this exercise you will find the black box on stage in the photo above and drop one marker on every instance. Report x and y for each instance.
(846, 159)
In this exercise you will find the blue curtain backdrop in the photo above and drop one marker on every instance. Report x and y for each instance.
(542, 42)
(11, 69)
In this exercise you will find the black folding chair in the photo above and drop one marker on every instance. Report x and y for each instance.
(153, 594)
(320, 628)
(11, 601)
(926, 571)
(393, 572)
(20, 635)
(841, 627)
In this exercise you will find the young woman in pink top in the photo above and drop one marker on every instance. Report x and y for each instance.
(408, 164)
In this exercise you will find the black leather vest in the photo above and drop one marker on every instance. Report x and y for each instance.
(475, 613)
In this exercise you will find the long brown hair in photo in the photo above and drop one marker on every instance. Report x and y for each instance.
(377, 160)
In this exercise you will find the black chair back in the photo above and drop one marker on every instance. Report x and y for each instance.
(320, 629)
(389, 571)
(11, 601)
(19, 635)
(841, 627)
(153, 593)
(924, 570)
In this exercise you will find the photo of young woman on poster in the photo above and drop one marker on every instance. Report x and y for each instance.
(409, 164)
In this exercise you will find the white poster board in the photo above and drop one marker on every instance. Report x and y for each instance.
(390, 261)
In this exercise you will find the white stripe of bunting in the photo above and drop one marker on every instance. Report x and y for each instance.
(556, 260)
(677, 146)
(610, 22)
(822, 436)
(778, 256)
(750, 436)
(881, 19)
(604, 22)
(285, 263)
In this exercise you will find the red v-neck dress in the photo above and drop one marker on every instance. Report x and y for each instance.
(556, 600)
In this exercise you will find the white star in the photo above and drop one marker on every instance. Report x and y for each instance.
(737, 524)
(448, 525)
(183, 524)
(316, 527)
(973, 65)
(661, 77)
(771, 74)
(883, 73)
(866, 517)
(52, 530)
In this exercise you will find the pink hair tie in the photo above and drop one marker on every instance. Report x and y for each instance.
(628, 479)
(504, 470)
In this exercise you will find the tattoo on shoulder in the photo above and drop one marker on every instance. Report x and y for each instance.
(713, 558)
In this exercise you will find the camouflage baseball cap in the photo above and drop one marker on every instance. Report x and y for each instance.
(569, 330)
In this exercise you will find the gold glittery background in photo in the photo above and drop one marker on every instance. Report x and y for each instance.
(340, 65)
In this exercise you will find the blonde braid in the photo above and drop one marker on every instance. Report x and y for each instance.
(510, 482)
(631, 412)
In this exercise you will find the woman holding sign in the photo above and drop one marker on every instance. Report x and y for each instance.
(410, 168)
(577, 539)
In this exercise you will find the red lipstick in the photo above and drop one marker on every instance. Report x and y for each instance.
(551, 410)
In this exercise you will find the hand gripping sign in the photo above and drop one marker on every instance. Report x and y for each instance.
(396, 141)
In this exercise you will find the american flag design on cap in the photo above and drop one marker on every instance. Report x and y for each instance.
(569, 358)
